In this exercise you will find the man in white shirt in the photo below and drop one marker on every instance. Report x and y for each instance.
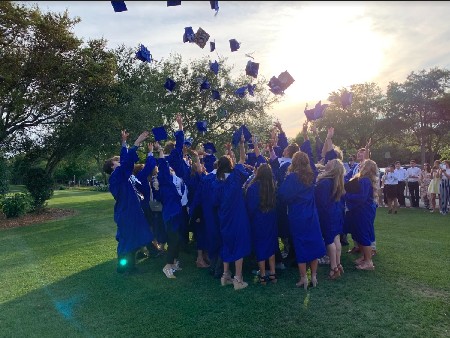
(413, 174)
(402, 178)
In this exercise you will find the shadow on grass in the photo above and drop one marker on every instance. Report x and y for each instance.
(100, 302)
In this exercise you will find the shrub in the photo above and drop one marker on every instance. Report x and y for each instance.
(15, 205)
(40, 186)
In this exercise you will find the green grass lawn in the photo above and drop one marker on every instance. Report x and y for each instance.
(58, 279)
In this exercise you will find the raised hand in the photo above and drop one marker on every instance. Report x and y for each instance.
(330, 133)
(157, 146)
(125, 135)
(179, 121)
(141, 138)
(277, 124)
(305, 127)
(150, 147)
(369, 143)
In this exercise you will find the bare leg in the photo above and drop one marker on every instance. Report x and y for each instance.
(262, 268)
(238, 265)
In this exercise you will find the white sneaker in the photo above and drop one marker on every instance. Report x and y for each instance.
(226, 280)
(169, 272)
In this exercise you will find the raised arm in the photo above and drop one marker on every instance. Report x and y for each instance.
(367, 152)
(242, 150)
(328, 144)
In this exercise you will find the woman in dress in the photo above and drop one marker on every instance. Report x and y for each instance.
(424, 183)
(433, 188)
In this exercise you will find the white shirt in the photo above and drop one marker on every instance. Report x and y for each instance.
(178, 182)
(390, 179)
(448, 173)
(401, 174)
(413, 171)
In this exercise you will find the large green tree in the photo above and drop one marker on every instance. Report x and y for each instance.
(421, 104)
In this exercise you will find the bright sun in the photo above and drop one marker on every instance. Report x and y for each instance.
(326, 47)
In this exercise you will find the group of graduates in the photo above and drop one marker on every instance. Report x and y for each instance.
(237, 207)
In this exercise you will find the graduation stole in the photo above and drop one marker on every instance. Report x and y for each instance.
(133, 180)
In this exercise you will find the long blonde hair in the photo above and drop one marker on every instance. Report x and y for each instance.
(334, 169)
(301, 166)
(369, 169)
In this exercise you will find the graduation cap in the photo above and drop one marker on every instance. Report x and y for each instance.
(251, 89)
(143, 54)
(159, 133)
(237, 135)
(212, 46)
(240, 92)
(119, 6)
(201, 126)
(286, 80)
(188, 142)
(251, 145)
(316, 112)
(214, 66)
(205, 85)
(222, 112)
(215, 95)
(170, 84)
(215, 5)
(210, 148)
(201, 38)
(252, 69)
(173, 3)
(346, 99)
(251, 159)
(188, 35)
(275, 86)
(234, 45)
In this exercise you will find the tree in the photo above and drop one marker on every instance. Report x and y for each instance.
(421, 104)
(354, 125)
(39, 69)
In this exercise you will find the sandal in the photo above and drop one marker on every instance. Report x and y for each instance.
(313, 282)
(263, 280)
(366, 267)
(303, 282)
(273, 278)
(341, 268)
(353, 250)
(359, 260)
(334, 273)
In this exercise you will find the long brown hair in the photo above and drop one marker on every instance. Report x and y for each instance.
(224, 165)
(300, 165)
(267, 196)
(369, 169)
(334, 169)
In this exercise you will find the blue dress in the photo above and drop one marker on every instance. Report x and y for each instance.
(133, 231)
(263, 225)
(211, 219)
(303, 219)
(331, 215)
(233, 219)
(361, 213)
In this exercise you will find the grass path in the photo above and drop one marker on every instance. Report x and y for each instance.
(58, 279)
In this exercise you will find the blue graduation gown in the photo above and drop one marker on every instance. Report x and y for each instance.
(210, 216)
(361, 213)
(133, 231)
(144, 187)
(234, 225)
(263, 225)
(331, 215)
(303, 219)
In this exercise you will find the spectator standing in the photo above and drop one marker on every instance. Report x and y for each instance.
(444, 187)
(413, 175)
(433, 188)
(424, 181)
(402, 178)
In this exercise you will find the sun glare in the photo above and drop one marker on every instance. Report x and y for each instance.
(325, 48)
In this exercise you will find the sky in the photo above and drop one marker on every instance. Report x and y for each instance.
(325, 46)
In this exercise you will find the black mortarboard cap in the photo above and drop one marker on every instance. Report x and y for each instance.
(119, 6)
(275, 85)
(170, 84)
(240, 92)
(317, 112)
(215, 95)
(286, 80)
(143, 54)
(252, 69)
(159, 133)
(214, 66)
(188, 35)
(210, 148)
(237, 135)
(212, 46)
(205, 85)
(173, 3)
(201, 126)
(234, 45)
(201, 38)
